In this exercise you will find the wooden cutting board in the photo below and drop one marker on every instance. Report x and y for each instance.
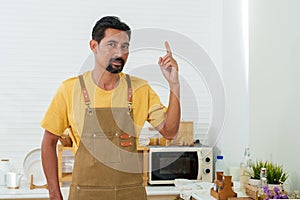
(185, 136)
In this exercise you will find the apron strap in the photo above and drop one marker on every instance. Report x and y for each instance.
(87, 98)
(84, 91)
(129, 93)
(85, 95)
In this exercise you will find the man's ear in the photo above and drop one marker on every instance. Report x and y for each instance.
(93, 45)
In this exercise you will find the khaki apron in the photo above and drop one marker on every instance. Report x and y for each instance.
(106, 165)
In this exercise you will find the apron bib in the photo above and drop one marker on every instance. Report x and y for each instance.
(106, 164)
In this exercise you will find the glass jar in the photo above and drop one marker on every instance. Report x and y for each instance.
(4, 168)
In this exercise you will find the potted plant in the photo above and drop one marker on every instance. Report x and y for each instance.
(254, 172)
(275, 174)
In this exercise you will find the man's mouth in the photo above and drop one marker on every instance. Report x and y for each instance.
(115, 65)
(118, 62)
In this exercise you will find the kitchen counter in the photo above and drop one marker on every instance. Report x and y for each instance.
(202, 192)
(24, 192)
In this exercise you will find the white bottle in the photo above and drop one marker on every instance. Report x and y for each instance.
(220, 164)
(219, 167)
(4, 168)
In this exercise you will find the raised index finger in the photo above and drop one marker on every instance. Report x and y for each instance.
(167, 47)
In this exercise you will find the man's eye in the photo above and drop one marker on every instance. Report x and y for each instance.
(125, 47)
(111, 44)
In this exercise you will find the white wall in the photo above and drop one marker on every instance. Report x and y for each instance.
(45, 42)
(274, 83)
(234, 137)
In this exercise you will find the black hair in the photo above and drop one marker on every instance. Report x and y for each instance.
(108, 22)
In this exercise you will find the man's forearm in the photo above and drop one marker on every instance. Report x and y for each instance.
(49, 161)
(172, 121)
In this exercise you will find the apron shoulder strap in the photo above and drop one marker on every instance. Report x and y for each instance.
(85, 95)
(84, 91)
(87, 98)
(129, 88)
(128, 80)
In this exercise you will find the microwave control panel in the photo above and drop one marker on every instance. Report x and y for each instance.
(206, 164)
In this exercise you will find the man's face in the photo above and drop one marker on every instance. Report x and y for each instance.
(112, 51)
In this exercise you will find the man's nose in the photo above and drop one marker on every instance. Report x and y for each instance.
(119, 52)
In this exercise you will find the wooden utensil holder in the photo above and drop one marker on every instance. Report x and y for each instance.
(223, 186)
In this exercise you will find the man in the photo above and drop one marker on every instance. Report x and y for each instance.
(105, 110)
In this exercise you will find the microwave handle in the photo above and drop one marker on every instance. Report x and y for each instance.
(199, 165)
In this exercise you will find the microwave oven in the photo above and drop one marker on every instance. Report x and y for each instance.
(169, 163)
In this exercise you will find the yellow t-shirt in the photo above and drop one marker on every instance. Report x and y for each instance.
(67, 109)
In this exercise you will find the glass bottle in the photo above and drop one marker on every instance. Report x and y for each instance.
(263, 177)
(4, 168)
(245, 169)
(246, 163)
(263, 182)
(247, 158)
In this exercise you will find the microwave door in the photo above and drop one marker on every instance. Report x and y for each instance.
(167, 166)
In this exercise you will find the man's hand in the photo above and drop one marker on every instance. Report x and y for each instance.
(168, 66)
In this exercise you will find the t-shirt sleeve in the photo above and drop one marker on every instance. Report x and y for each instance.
(56, 118)
(157, 111)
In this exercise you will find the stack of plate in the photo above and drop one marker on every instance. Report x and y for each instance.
(67, 161)
(32, 165)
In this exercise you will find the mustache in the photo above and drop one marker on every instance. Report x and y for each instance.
(118, 59)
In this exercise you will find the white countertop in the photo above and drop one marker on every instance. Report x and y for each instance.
(25, 192)
(161, 190)
(202, 192)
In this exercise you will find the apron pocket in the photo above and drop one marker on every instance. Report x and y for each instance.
(132, 193)
(94, 193)
(105, 149)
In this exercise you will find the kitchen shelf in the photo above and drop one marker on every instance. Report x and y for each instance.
(145, 153)
(62, 177)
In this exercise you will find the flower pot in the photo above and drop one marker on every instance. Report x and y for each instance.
(254, 182)
(272, 186)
